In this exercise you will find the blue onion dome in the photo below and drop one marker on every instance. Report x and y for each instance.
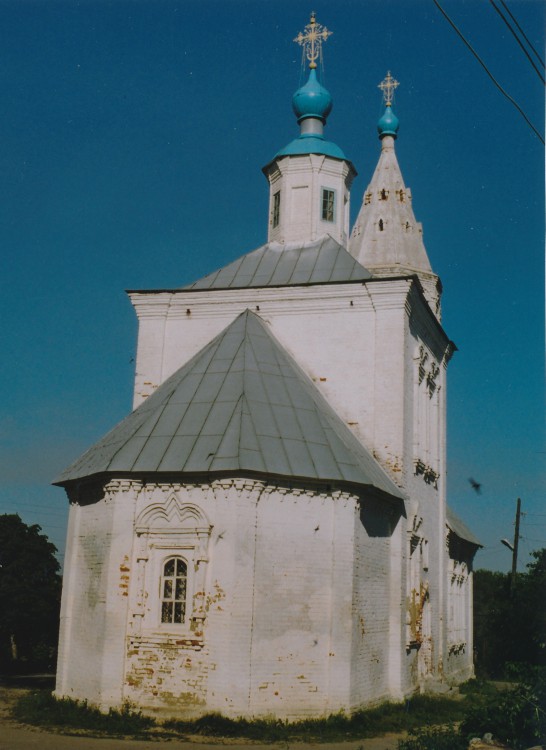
(312, 100)
(388, 124)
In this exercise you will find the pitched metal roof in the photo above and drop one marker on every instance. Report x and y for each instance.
(459, 528)
(276, 264)
(242, 403)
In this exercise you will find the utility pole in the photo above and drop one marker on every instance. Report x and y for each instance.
(515, 549)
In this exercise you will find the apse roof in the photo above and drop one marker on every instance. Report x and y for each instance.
(241, 404)
(459, 528)
(276, 264)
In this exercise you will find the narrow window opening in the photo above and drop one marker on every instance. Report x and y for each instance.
(173, 591)
(328, 201)
(381, 225)
(276, 209)
(383, 195)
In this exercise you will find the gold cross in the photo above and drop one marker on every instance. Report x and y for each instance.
(387, 86)
(311, 40)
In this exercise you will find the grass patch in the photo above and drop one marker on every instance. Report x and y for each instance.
(44, 710)
(434, 738)
(389, 717)
(516, 717)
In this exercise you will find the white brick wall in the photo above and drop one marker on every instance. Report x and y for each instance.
(304, 589)
(285, 603)
(301, 180)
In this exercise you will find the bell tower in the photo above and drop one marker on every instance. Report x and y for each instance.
(310, 179)
(386, 238)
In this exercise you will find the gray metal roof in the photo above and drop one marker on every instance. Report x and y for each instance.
(275, 264)
(459, 528)
(242, 403)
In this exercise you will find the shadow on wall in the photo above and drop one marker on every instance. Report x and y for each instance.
(380, 517)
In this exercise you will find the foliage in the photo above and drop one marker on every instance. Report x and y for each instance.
(388, 717)
(479, 690)
(510, 626)
(491, 592)
(30, 592)
(42, 709)
(515, 717)
(434, 738)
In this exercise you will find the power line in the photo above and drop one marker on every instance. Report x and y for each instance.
(521, 31)
(491, 76)
(516, 37)
(18, 506)
(31, 509)
(539, 525)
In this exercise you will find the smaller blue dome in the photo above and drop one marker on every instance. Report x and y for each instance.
(312, 100)
(388, 124)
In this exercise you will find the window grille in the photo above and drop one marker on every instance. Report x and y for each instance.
(328, 201)
(276, 209)
(173, 591)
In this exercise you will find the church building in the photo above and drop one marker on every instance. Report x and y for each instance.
(267, 534)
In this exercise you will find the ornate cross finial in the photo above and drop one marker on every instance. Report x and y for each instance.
(311, 40)
(387, 86)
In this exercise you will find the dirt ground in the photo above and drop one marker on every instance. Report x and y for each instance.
(14, 736)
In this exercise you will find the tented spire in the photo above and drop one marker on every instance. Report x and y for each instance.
(386, 237)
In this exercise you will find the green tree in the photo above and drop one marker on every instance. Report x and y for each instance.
(491, 593)
(530, 601)
(30, 592)
(510, 626)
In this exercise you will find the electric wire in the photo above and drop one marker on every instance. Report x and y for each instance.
(501, 14)
(491, 76)
(19, 506)
(527, 539)
(521, 31)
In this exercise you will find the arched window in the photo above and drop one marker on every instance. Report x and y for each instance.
(171, 558)
(173, 590)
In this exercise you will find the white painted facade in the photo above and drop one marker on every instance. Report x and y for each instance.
(302, 598)
(386, 237)
(300, 188)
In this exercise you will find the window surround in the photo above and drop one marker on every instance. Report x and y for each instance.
(164, 531)
(418, 595)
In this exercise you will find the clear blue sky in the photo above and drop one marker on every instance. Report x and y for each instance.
(132, 138)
